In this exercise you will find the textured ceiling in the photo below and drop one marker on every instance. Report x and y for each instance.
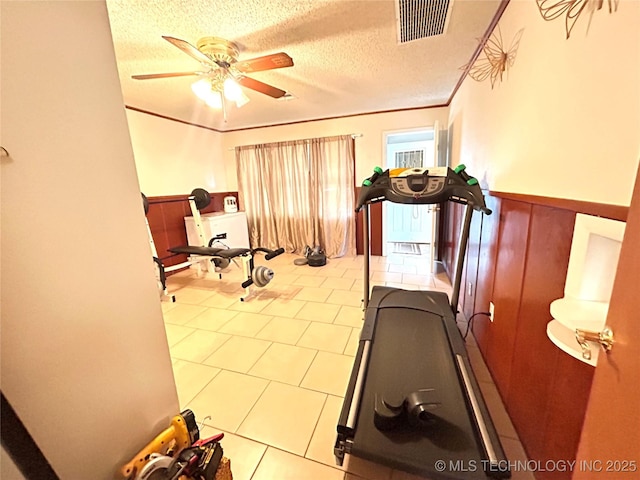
(347, 59)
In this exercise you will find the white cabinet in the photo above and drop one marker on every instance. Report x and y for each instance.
(233, 224)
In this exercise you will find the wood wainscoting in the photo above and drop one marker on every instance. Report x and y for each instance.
(518, 259)
(166, 222)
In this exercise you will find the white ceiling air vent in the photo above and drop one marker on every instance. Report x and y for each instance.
(421, 18)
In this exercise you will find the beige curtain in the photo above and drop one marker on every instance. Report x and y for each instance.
(300, 193)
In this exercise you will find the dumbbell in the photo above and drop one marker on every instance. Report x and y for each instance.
(369, 181)
(460, 170)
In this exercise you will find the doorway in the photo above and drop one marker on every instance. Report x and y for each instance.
(410, 229)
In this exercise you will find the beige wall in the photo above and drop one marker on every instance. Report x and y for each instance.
(173, 158)
(85, 360)
(565, 122)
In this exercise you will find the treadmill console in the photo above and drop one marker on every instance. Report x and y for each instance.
(416, 181)
(422, 186)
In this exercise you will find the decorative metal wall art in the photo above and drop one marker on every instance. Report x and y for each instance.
(494, 60)
(572, 9)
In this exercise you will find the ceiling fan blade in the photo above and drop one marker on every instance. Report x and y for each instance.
(261, 87)
(268, 62)
(164, 75)
(189, 49)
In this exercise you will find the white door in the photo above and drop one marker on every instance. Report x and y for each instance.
(410, 223)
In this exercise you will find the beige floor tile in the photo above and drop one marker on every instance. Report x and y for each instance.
(378, 267)
(344, 297)
(419, 279)
(313, 294)
(246, 324)
(190, 379)
(167, 305)
(284, 363)
(309, 280)
(280, 292)
(499, 415)
(353, 273)
(332, 272)
(387, 277)
(408, 269)
(393, 259)
(220, 300)
(350, 316)
(318, 312)
(182, 313)
(284, 307)
(419, 260)
(515, 453)
(280, 465)
(199, 345)
(399, 475)
(281, 278)
(321, 445)
(209, 282)
(442, 280)
(175, 333)
(325, 336)
(329, 373)
(358, 286)
(283, 330)
(227, 399)
(338, 283)
(211, 319)
(352, 344)
(284, 417)
(255, 303)
(181, 279)
(284, 267)
(192, 296)
(402, 286)
(244, 454)
(477, 362)
(238, 354)
(311, 271)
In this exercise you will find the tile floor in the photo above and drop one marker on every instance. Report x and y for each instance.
(271, 372)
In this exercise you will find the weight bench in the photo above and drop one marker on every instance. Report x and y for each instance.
(206, 256)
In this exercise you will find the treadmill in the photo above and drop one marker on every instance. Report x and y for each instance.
(412, 401)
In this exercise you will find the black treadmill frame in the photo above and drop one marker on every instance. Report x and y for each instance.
(488, 442)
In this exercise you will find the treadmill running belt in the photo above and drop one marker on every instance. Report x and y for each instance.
(418, 358)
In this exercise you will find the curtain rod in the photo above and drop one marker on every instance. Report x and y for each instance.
(353, 135)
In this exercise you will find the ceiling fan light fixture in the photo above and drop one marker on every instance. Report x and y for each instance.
(232, 90)
(203, 89)
(214, 100)
(241, 100)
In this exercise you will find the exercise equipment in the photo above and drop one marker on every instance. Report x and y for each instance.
(206, 257)
(314, 257)
(412, 401)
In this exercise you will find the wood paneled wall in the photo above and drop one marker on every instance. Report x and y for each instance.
(518, 259)
(375, 228)
(166, 222)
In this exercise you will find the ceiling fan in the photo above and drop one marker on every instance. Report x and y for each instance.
(224, 74)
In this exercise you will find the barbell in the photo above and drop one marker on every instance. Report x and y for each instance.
(200, 196)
